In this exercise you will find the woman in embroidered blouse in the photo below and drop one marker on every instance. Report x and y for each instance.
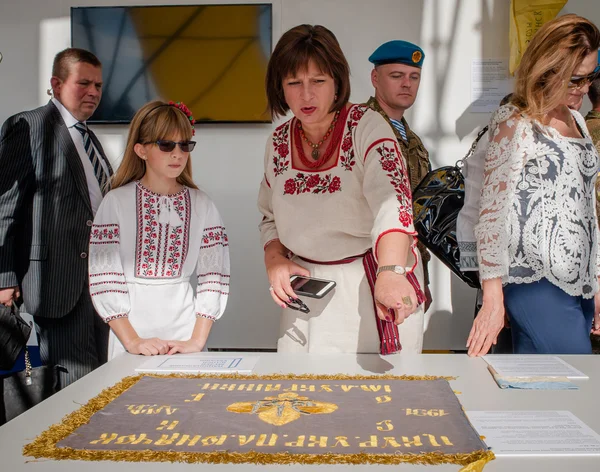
(335, 197)
(151, 234)
(537, 232)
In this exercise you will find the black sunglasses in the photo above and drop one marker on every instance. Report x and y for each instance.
(297, 305)
(581, 81)
(168, 146)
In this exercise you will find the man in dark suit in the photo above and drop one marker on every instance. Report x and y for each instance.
(54, 174)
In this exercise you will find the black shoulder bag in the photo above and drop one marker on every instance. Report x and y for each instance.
(21, 390)
(437, 200)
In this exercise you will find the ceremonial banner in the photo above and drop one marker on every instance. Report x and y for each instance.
(526, 18)
(280, 419)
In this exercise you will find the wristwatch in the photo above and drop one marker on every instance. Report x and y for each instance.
(394, 268)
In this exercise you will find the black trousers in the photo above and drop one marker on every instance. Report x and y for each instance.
(77, 341)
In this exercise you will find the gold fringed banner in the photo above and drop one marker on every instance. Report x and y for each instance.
(271, 419)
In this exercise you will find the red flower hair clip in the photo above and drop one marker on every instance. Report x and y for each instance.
(187, 112)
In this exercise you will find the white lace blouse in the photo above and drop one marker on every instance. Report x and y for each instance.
(537, 209)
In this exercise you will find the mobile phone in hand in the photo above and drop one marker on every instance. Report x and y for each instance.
(311, 286)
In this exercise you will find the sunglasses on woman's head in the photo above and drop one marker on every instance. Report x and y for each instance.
(168, 146)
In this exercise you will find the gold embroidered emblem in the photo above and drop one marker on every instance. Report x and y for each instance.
(283, 409)
(416, 56)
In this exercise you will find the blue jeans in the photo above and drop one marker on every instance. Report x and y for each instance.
(546, 320)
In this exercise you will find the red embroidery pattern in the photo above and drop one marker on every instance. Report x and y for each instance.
(110, 291)
(312, 183)
(281, 149)
(100, 274)
(214, 236)
(104, 234)
(114, 317)
(206, 315)
(216, 282)
(117, 282)
(356, 113)
(348, 158)
(218, 287)
(213, 273)
(161, 249)
(393, 164)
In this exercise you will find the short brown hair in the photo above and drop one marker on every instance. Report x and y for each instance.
(554, 53)
(67, 57)
(294, 50)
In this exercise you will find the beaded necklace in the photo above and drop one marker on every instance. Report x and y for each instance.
(336, 127)
(315, 146)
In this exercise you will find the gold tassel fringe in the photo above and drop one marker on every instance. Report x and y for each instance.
(45, 444)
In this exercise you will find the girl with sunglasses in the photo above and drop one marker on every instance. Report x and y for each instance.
(537, 242)
(153, 232)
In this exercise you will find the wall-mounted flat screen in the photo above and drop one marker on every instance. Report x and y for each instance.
(211, 57)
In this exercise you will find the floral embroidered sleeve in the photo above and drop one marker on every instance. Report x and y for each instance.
(267, 227)
(385, 185)
(511, 145)
(213, 267)
(108, 288)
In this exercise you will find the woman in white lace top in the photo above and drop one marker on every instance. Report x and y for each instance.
(537, 232)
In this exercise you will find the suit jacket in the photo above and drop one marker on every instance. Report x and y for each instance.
(45, 212)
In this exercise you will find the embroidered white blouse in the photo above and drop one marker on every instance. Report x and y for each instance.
(537, 209)
(343, 210)
(144, 249)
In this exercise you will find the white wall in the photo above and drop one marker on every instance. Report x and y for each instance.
(228, 159)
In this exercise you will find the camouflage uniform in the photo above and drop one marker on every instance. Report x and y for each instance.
(592, 120)
(417, 159)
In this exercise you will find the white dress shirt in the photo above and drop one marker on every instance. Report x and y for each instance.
(92, 183)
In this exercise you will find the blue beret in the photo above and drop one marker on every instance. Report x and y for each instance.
(398, 52)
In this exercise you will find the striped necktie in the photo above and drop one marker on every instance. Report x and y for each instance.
(99, 172)
(399, 127)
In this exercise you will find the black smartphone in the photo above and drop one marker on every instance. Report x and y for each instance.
(310, 286)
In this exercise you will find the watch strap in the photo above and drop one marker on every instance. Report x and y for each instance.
(398, 269)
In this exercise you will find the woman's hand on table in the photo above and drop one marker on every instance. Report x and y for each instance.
(394, 292)
(147, 347)
(489, 321)
(183, 347)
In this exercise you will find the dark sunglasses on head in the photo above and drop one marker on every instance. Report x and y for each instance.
(583, 80)
(168, 146)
